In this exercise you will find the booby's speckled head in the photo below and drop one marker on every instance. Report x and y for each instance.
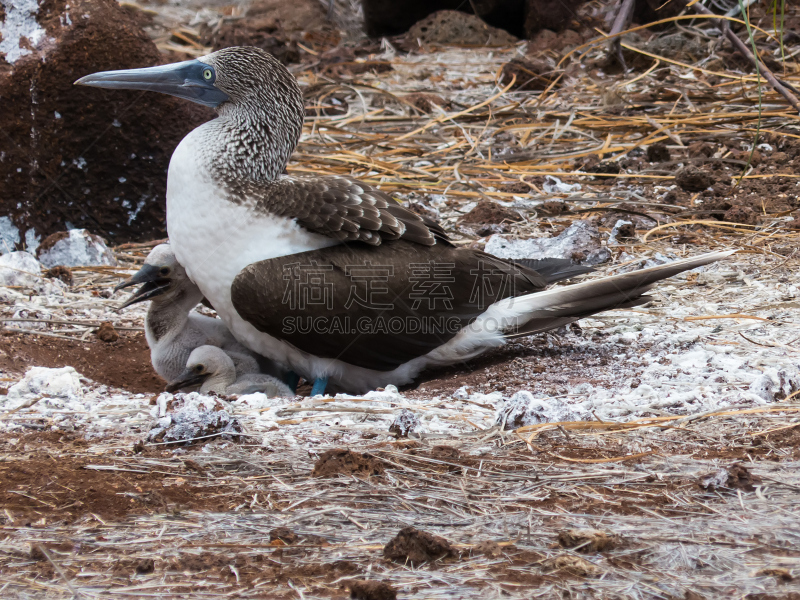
(160, 275)
(259, 102)
(241, 75)
(252, 78)
(261, 122)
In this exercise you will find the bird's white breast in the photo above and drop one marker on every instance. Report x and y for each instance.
(215, 238)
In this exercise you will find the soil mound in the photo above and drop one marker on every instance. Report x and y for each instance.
(75, 156)
(417, 547)
(341, 461)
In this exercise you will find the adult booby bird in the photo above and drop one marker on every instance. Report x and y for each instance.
(212, 369)
(329, 275)
(171, 327)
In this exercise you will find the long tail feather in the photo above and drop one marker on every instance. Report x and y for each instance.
(554, 269)
(553, 308)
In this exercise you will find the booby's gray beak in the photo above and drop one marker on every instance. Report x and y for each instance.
(187, 379)
(192, 80)
(154, 285)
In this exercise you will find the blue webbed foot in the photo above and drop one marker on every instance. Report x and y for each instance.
(319, 386)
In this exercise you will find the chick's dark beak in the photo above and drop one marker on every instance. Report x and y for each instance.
(153, 285)
(187, 379)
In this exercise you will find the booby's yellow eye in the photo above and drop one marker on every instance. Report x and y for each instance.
(207, 74)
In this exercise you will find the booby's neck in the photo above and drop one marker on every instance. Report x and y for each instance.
(169, 312)
(252, 140)
(223, 377)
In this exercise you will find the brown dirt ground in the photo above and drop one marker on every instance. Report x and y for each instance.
(124, 363)
(47, 480)
(44, 481)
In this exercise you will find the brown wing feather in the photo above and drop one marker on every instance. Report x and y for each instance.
(470, 281)
(344, 209)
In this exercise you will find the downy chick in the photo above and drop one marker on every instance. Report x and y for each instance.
(212, 369)
(172, 329)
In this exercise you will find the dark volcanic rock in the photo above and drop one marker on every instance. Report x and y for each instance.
(417, 547)
(340, 461)
(371, 590)
(82, 157)
(549, 14)
(693, 179)
(741, 214)
(658, 152)
(454, 27)
(487, 212)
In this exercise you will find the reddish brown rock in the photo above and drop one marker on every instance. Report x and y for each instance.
(736, 476)
(371, 590)
(700, 149)
(59, 272)
(488, 548)
(426, 102)
(552, 208)
(341, 461)
(417, 547)
(548, 40)
(487, 213)
(793, 224)
(520, 18)
(693, 179)
(285, 535)
(390, 17)
(585, 540)
(84, 157)
(745, 156)
(106, 333)
(741, 214)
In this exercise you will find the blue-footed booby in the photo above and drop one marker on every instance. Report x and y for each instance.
(172, 328)
(212, 369)
(329, 275)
